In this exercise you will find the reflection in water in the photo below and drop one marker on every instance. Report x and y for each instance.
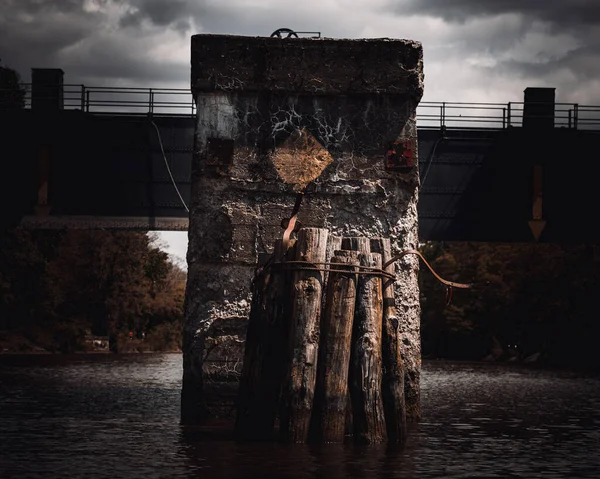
(117, 416)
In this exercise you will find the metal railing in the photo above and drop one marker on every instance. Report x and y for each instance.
(120, 100)
(498, 116)
(431, 115)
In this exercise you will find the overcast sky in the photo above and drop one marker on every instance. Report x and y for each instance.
(474, 50)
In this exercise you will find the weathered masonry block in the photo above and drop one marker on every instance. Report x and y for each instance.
(276, 116)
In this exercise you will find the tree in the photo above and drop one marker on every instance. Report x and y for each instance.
(12, 93)
(57, 287)
(541, 297)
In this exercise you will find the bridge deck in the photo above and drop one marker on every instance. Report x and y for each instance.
(475, 159)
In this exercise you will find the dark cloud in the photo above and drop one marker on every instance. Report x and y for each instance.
(164, 13)
(37, 7)
(84, 39)
(32, 33)
(101, 40)
(529, 42)
(474, 50)
(563, 12)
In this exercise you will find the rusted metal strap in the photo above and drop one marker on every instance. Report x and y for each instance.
(332, 268)
(450, 284)
(354, 269)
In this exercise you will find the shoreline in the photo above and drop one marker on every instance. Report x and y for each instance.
(23, 343)
(85, 353)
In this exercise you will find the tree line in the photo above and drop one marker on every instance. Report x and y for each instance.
(59, 287)
(528, 301)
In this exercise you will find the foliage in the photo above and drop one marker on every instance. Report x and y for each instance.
(81, 283)
(540, 297)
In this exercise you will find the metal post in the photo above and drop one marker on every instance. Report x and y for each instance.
(87, 101)
(82, 97)
(503, 118)
(442, 115)
(151, 105)
(509, 115)
(570, 115)
(576, 116)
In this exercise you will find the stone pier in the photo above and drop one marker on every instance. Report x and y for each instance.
(276, 117)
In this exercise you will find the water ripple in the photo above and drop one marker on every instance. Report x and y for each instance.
(118, 416)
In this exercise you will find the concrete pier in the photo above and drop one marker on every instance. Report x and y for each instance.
(332, 118)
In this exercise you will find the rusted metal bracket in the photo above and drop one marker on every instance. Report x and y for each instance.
(400, 155)
(292, 222)
(449, 284)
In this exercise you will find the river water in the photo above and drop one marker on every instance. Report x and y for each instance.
(117, 416)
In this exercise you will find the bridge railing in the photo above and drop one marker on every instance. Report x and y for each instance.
(497, 116)
(120, 100)
(434, 115)
(461, 115)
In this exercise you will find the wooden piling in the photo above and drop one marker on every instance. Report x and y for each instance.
(324, 375)
(265, 352)
(249, 387)
(357, 243)
(331, 392)
(365, 367)
(299, 385)
(393, 366)
(363, 245)
(334, 243)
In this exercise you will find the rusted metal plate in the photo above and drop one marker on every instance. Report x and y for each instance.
(400, 155)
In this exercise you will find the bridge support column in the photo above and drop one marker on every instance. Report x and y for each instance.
(334, 119)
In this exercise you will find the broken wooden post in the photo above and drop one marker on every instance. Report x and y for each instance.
(357, 243)
(298, 390)
(331, 392)
(264, 355)
(393, 367)
(366, 371)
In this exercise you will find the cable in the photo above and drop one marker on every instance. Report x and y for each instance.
(167, 165)
(444, 137)
(431, 159)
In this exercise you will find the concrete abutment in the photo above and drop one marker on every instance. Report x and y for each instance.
(275, 116)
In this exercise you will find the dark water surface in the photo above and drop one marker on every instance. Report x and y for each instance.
(117, 416)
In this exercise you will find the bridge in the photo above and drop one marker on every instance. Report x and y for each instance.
(120, 158)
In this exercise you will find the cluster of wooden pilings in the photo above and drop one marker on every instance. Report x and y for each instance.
(322, 354)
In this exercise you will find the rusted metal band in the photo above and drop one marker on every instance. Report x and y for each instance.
(451, 284)
(322, 266)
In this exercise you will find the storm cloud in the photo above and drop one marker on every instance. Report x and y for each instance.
(566, 13)
(547, 42)
(474, 50)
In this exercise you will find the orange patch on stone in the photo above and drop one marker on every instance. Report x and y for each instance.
(300, 159)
